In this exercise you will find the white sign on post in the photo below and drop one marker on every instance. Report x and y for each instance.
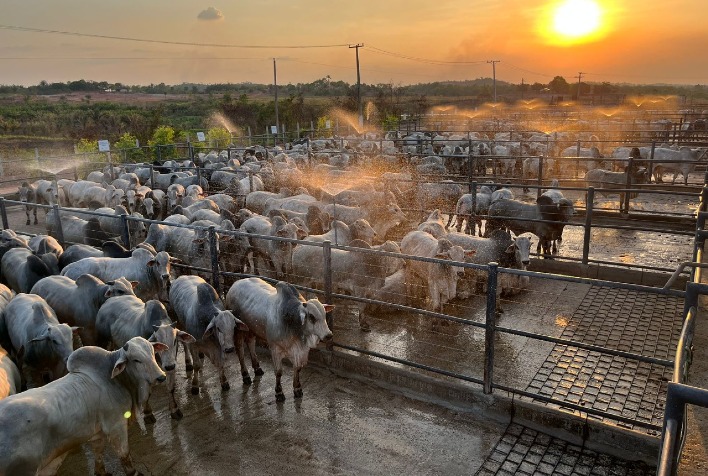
(104, 146)
(328, 124)
(273, 129)
(201, 137)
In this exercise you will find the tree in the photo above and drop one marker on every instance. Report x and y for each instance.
(127, 148)
(559, 85)
(163, 139)
(87, 146)
(218, 137)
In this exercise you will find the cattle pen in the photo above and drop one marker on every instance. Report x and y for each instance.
(585, 357)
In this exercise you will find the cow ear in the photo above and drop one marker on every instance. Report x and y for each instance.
(186, 337)
(303, 313)
(442, 256)
(75, 330)
(159, 346)
(511, 248)
(209, 330)
(470, 253)
(134, 284)
(152, 262)
(328, 307)
(108, 293)
(119, 365)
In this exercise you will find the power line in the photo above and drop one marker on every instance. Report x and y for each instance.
(528, 70)
(126, 58)
(162, 42)
(374, 49)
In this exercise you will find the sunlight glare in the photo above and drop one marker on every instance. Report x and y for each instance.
(576, 18)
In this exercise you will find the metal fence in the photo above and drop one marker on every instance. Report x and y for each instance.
(220, 268)
(679, 393)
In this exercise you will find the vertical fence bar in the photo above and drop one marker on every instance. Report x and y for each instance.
(490, 327)
(540, 176)
(628, 184)
(59, 231)
(588, 223)
(214, 249)
(3, 212)
(327, 253)
(651, 159)
(125, 230)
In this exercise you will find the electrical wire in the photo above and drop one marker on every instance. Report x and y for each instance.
(162, 42)
(374, 49)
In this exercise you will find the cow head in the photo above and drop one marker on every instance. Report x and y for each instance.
(169, 335)
(24, 192)
(521, 250)
(313, 317)
(362, 230)
(119, 287)
(55, 344)
(135, 364)
(222, 327)
(160, 267)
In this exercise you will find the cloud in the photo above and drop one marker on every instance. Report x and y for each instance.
(210, 14)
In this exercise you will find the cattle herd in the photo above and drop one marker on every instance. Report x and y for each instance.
(87, 330)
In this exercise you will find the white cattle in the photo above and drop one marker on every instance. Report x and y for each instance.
(281, 316)
(92, 403)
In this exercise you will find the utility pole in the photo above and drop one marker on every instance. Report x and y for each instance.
(275, 86)
(494, 76)
(358, 83)
(579, 76)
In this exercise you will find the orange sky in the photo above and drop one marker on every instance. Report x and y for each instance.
(643, 41)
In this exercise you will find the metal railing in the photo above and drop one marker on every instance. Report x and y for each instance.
(679, 393)
(329, 289)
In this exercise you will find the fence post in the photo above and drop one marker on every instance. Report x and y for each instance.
(588, 223)
(214, 245)
(152, 176)
(327, 252)
(3, 212)
(691, 298)
(76, 174)
(651, 159)
(490, 327)
(628, 184)
(59, 231)
(250, 181)
(540, 176)
(125, 231)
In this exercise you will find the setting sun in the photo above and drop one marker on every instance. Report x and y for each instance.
(569, 22)
(576, 18)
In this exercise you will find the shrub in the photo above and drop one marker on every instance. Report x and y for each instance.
(127, 149)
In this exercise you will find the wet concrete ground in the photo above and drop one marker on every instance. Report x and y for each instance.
(341, 426)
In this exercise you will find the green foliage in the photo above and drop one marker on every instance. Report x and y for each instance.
(127, 149)
(390, 123)
(87, 146)
(321, 124)
(164, 137)
(218, 137)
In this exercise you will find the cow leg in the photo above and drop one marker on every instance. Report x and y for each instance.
(148, 417)
(175, 412)
(216, 358)
(277, 357)
(449, 220)
(257, 370)
(459, 221)
(119, 442)
(197, 362)
(297, 387)
(98, 446)
(187, 358)
(242, 359)
(27, 212)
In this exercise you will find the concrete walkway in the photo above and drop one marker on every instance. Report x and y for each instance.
(342, 425)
